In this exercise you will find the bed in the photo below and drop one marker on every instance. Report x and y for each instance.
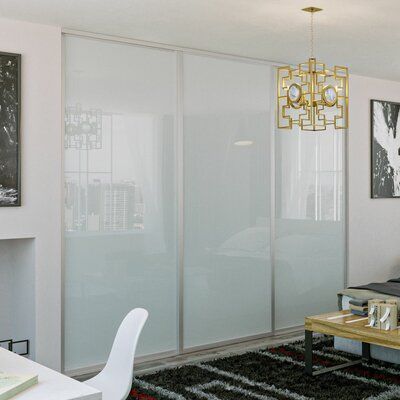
(376, 290)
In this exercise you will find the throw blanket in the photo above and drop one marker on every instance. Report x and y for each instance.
(376, 290)
(391, 287)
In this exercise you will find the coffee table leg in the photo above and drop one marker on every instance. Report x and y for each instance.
(308, 352)
(366, 354)
(366, 351)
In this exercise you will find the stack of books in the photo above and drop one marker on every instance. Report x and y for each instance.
(11, 385)
(359, 307)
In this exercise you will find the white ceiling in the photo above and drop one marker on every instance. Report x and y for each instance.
(362, 34)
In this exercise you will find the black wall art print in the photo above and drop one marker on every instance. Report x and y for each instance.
(385, 149)
(10, 96)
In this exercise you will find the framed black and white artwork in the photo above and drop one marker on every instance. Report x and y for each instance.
(10, 110)
(385, 149)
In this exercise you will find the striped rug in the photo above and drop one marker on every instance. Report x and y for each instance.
(272, 374)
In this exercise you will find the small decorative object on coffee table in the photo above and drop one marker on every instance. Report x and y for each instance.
(382, 314)
(374, 313)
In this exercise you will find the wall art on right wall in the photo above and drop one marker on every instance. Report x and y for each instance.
(385, 149)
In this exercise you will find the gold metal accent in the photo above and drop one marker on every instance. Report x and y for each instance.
(311, 9)
(313, 111)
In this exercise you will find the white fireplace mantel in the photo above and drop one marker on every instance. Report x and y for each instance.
(12, 236)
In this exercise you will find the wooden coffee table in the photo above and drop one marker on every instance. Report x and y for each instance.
(340, 323)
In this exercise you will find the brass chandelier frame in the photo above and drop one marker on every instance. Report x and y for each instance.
(321, 93)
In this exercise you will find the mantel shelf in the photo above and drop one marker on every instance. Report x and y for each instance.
(13, 236)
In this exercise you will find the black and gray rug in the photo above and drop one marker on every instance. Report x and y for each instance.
(274, 373)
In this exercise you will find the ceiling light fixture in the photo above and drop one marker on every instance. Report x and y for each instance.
(243, 143)
(312, 95)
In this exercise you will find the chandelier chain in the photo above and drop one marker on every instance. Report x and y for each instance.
(312, 35)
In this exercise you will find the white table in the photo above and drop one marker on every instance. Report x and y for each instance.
(52, 385)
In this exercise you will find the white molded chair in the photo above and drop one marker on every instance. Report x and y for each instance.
(115, 380)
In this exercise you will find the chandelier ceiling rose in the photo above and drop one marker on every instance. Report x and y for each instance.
(312, 95)
(312, 9)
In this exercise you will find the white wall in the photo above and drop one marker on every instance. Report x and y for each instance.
(374, 224)
(17, 272)
(40, 213)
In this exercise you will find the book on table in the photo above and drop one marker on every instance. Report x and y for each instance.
(12, 384)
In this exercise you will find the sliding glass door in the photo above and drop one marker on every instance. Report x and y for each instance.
(120, 196)
(227, 273)
(182, 198)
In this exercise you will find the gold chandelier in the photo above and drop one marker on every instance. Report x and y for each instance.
(312, 95)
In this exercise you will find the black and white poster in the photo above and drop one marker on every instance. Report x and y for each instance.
(10, 82)
(385, 149)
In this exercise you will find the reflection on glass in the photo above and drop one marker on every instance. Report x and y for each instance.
(226, 149)
(120, 217)
(106, 203)
(310, 230)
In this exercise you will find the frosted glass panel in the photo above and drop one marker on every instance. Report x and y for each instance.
(121, 202)
(120, 217)
(226, 152)
(310, 225)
